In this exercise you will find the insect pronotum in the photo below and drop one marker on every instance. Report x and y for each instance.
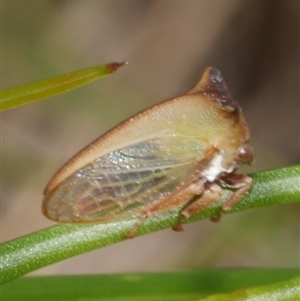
(184, 148)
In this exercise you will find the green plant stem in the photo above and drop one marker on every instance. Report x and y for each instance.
(45, 247)
(283, 291)
(31, 92)
(170, 286)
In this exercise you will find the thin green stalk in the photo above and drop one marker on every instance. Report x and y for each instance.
(17, 96)
(283, 291)
(170, 286)
(45, 247)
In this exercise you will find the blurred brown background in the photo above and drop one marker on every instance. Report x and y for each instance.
(167, 43)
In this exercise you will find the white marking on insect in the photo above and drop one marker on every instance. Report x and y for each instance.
(215, 168)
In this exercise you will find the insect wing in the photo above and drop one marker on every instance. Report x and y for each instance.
(127, 181)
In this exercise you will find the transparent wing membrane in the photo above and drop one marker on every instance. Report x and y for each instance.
(126, 181)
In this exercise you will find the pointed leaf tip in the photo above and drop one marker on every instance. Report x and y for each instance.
(115, 66)
(17, 96)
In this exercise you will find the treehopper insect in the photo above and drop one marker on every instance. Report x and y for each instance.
(184, 148)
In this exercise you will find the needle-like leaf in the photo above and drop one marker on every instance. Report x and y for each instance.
(17, 96)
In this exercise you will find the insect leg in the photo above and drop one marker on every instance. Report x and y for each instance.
(142, 218)
(212, 192)
(240, 182)
(175, 200)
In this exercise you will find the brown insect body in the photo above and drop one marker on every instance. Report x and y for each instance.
(158, 159)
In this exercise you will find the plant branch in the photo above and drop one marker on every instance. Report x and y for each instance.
(258, 284)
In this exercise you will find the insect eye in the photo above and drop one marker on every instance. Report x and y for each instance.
(245, 154)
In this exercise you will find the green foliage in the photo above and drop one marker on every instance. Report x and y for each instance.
(221, 285)
(17, 96)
